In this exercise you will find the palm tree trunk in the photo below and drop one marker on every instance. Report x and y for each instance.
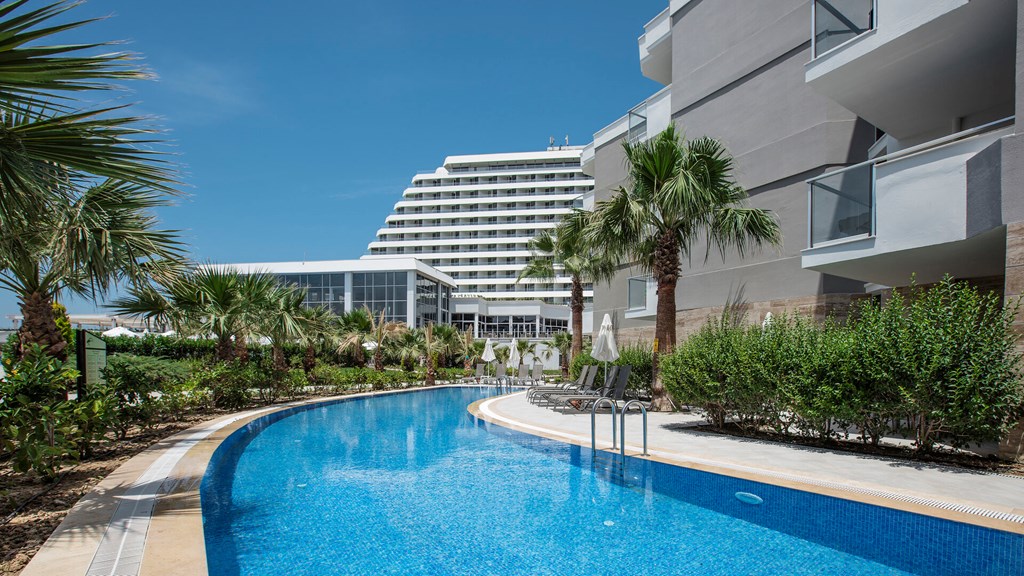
(378, 358)
(666, 272)
(431, 377)
(279, 364)
(576, 305)
(309, 362)
(225, 349)
(39, 327)
(241, 348)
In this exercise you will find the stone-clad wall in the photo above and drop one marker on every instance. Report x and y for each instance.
(1012, 447)
(818, 307)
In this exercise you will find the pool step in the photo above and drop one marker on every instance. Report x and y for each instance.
(608, 463)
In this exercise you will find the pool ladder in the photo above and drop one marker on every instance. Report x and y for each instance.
(622, 424)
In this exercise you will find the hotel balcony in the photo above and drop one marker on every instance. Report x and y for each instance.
(909, 212)
(910, 67)
(656, 48)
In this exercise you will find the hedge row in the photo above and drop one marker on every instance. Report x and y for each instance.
(934, 365)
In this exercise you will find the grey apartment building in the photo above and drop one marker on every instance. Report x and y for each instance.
(881, 133)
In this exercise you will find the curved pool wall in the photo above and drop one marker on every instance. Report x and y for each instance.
(411, 483)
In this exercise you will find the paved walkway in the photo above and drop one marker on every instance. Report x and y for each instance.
(673, 437)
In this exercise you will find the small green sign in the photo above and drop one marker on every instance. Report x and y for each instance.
(92, 359)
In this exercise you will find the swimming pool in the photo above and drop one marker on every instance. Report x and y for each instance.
(410, 483)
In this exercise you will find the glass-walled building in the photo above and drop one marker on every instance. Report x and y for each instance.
(404, 289)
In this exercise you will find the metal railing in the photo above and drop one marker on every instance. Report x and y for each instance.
(593, 422)
(835, 22)
(622, 426)
(841, 203)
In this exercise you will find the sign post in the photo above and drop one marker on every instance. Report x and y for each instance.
(91, 356)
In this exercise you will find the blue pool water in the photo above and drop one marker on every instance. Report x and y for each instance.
(410, 483)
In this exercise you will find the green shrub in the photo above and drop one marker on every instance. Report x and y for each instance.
(578, 362)
(966, 386)
(338, 380)
(227, 386)
(938, 365)
(39, 430)
(639, 356)
(139, 384)
(636, 355)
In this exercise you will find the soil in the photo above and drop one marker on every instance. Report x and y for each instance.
(957, 459)
(45, 504)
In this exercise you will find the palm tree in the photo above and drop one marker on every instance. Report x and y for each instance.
(77, 186)
(280, 318)
(354, 330)
(48, 136)
(526, 348)
(470, 349)
(361, 329)
(449, 343)
(259, 295)
(104, 234)
(205, 300)
(571, 251)
(680, 193)
(316, 333)
(408, 348)
(562, 341)
(439, 341)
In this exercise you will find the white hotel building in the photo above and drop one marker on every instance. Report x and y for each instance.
(472, 219)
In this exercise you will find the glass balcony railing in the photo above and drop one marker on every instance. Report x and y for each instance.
(836, 21)
(841, 204)
(638, 124)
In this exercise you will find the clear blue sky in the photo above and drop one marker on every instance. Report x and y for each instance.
(298, 124)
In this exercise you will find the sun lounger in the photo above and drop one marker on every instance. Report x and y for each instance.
(590, 389)
(584, 385)
(522, 376)
(499, 378)
(476, 377)
(581, 402)
(536, 376)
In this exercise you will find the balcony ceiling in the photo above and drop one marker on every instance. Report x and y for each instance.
(977, 257)
(956, 64)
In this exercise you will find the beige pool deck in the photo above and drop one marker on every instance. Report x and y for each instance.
(145, 518)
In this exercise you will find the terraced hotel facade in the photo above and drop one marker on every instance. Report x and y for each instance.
(473, 217)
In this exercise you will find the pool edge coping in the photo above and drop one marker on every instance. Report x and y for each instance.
(945, 509)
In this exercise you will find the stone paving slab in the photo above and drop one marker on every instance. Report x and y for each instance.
(674, 437)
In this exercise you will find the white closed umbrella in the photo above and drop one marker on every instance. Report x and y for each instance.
(488, 355)
(120, 331)
(513, 356)
(604, 345)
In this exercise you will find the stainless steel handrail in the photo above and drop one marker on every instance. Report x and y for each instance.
(622, 426)
(593, 422)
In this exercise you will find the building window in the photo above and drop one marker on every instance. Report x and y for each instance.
(322, 290)
(637, 296)
(550, 326)
(381, 291)
(463, 322)
(427, 301)
(494, 326)
(524, 326)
